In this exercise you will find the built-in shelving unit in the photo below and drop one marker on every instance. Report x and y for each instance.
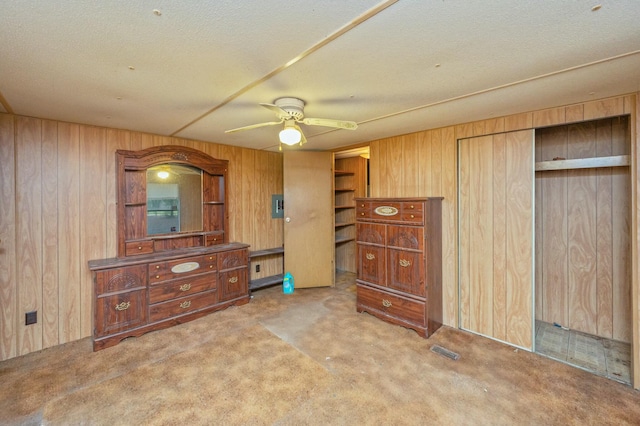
(350, 182)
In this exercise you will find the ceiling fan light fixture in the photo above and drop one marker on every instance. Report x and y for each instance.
(290, 135)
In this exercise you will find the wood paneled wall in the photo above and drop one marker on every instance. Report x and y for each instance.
(58, 211)
(583, 222)
(425, 164)
(422, 165)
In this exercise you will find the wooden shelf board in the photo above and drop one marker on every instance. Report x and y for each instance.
(265, 282)
(583, 163)
(340, 240)
(266, 252)
(344, 190)
(343, 173)
(343, 224)
(345, 207)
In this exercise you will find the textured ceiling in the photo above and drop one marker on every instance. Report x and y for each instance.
(194, 69)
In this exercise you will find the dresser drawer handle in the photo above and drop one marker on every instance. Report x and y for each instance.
(386, 303)
(185, 287)
(412, 216)
(361, 214)
(411, 208)
(123, 306)
(370, 256)
(404, 263)
(233, 280)
(185, 304)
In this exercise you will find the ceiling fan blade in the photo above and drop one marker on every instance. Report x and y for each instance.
(254, 126)
(275, 108)
(303, 140)
(328, 122)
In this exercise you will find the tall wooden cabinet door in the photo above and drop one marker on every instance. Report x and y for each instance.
(496, 226)
(309, 241)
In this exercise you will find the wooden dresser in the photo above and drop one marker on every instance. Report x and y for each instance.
(399, 255)
(138, 294)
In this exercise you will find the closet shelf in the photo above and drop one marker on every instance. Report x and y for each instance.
(583, 163)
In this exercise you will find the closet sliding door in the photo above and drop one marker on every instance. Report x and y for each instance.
(496, 231)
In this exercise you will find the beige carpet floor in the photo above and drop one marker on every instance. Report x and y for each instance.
(304, 359)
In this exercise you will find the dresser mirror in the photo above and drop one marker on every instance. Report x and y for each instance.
(170, 197)
(174, 199)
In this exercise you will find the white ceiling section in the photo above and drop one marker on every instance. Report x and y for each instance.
(394, 67)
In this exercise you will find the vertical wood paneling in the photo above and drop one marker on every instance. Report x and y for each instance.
(604, 108)
(496, 236)
(519, 234)
(621, 231)
(411, 165)
(29, 230)
(70, 269)
(481, 167)
(518, 122)
(581, 227)
(426, 166)
(50, 212)
(93, 228)
(464, 237)
(604, 234)
(8, 283)
(549, 117)
(499, 193)
(574, 113)
(449, 191)
(586, 268)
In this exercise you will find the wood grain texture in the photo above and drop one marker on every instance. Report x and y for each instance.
(28, 231)
(8, 283)
(50, 283)
(70, 269)
(519, 238)
(586, 271)
(496, 236)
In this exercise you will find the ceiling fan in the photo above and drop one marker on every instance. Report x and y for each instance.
(290, 111)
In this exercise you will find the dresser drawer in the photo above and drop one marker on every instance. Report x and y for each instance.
(181, 287)
(121, 279)
(188, 266)
(120, 312)
(214, 238)
(405, 271)
(386, 210)
(233, 283)
(391, 305)
(133, 248)
(181, 306)
(232, 259)
(371, 264)
(363, 209)
(409, 237)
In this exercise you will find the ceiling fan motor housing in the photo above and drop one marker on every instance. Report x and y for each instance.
(293, 106)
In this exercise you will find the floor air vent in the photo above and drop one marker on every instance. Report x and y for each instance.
(445, 352)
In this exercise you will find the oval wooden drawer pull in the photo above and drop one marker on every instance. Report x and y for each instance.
(370, 256)
(386, 303)
(185, 287)
(185, 304)
(123, 306)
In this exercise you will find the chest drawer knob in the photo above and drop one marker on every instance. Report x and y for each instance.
(185, 304)
(386, 303)
(123, 306)
(412, 216)
(185, 287)
(404, 263)
(370, 256)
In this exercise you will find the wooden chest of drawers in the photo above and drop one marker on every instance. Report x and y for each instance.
(149, 292)
(399, 255)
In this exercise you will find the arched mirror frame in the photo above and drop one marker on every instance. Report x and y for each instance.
(131, 182)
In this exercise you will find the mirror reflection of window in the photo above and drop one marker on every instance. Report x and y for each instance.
(174, 199)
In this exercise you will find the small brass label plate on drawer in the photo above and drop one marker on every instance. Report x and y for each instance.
(181, 268)
(386, 211)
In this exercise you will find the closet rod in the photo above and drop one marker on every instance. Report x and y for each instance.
(583, 163)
